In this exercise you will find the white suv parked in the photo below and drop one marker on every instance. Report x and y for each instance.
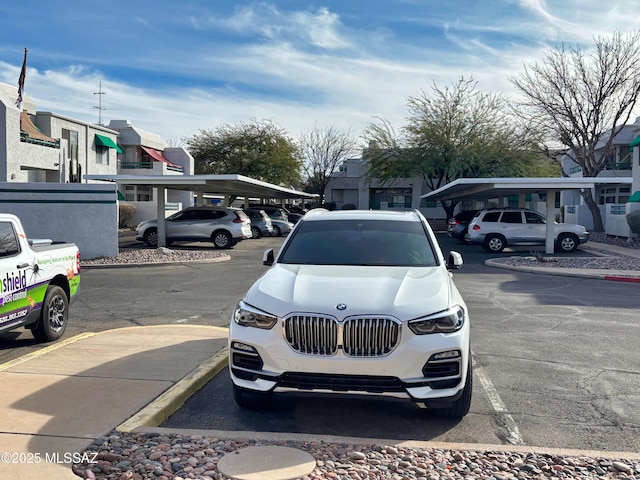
(224, 226)
(495, 229)
(355, 302)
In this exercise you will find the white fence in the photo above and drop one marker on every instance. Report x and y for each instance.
(613, 217)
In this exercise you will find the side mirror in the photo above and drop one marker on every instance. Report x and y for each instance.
(454, 262)
(268, 257)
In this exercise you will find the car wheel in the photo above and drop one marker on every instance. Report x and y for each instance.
(276, 231)
(494, 243)
(221, 239)
(53, 316)
(567, 242)
(151, 237)
(460, 407)
(250, 399)
(255, 232)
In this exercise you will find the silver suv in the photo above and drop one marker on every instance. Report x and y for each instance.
(224, 226)
(495, 229)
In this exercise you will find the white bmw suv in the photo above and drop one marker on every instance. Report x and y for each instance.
(355, 302)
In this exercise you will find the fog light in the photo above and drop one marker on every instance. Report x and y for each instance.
(446, 355)
(243, 347)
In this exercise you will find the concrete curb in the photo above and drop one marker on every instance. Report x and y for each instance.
(224, 258)
(542, 270)
(310, 438)
(159, 410)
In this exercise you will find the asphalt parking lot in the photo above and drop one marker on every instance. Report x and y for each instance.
(557, 358)
(556, 365)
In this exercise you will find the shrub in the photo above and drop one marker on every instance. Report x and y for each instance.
(329, 205)
(633, 219)
(349, 206)
(125, 213)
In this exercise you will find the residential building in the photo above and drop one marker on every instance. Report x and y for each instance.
(38, 146)
(47, 147)
(350, 186)
(615, 200)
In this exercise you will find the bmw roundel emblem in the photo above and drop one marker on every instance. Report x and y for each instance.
(341, 306)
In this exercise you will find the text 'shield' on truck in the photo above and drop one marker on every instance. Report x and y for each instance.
(39, 279)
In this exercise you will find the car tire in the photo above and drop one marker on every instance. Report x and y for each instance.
(460, 407)
(494, 243)
(221, 239)
(567, 243)
(53, 316)
(250, 399)
(276, 231)
(255, 232)
(151, 237)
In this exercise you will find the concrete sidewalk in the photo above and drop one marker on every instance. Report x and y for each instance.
(57, 401)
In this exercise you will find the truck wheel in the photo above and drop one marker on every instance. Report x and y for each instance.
(151, 237)
(221, 239)
(460, 407)
(567, 242)
(53, 316)
(494, 243)
(250, 399)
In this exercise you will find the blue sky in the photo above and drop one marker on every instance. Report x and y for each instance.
(175, 67)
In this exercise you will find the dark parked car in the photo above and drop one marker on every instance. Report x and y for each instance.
(459, 224)
(294, 217)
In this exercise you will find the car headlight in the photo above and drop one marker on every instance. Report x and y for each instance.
(448, 321)
(248, 316)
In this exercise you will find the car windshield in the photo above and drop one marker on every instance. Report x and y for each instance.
(360, 242)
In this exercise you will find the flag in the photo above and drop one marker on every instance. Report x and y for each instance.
(23, 73)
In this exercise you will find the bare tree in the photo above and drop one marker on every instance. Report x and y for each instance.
(452, 132)
(324, 151)
(583, 100)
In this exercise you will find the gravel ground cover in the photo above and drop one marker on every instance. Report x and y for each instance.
(174, 456)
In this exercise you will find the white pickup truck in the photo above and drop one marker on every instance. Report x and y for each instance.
(39, 279)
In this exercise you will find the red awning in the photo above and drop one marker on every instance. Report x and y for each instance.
(157, 155)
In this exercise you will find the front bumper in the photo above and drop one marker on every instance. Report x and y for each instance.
(262, 360)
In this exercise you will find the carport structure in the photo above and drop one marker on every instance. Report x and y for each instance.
(487, 188)
(227, 185)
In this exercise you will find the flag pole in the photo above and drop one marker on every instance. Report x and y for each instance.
(23, 74)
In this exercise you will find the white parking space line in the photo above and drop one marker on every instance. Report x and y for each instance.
(513, 434)
(185, 320)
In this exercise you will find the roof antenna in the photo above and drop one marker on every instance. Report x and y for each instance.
(100, 107)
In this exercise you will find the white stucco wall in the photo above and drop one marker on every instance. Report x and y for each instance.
(86, 215)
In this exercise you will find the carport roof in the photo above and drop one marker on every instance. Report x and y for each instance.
(229, 184)
(483, 188)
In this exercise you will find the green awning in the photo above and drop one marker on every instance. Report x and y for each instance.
(635, 197)
(121, 196)
(634, 142)
(105, 141)
(119, 149)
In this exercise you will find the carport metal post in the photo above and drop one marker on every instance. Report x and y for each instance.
(551, 205)
(162, 230)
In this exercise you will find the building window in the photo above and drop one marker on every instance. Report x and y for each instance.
(75, 169)
(102, 155)
(618, 210)
(138, 194)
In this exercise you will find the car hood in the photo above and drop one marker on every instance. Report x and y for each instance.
(403, 292)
